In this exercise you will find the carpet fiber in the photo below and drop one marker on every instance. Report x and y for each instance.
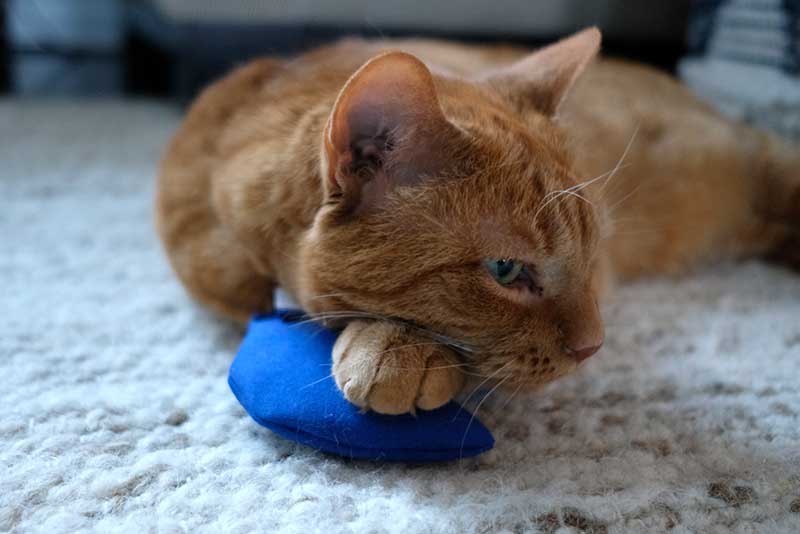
(115, 414)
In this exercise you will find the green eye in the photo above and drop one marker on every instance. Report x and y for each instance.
(505, 271)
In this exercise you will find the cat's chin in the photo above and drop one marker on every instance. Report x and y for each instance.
(477, 387)
(538, 384)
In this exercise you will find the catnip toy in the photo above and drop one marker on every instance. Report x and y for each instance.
(282, 377)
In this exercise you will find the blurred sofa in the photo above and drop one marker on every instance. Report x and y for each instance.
(203, 38)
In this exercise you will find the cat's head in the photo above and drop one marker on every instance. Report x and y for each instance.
(448, 206)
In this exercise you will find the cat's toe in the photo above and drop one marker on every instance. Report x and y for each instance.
(441, 382)
(395, 386)
(354, 380)
(353, 393)
(422, 377)
(353, 370)
(391, 401)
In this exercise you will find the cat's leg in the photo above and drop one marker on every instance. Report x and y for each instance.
(217, 270)
(209, 256)
(389, 369)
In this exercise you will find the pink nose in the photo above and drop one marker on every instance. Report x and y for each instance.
(582, 353)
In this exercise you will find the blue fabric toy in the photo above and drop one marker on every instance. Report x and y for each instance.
(282, 377)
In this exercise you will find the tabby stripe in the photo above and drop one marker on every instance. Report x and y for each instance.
(583, 226)
(395, 290)
(539, 188)
(545, 233)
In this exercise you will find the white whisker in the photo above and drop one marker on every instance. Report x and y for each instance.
(508, 400)
(475, 411)
(499, 369)
(558, 195)
(328, 296)
(316, 381)
(552, 196)
(622, 158)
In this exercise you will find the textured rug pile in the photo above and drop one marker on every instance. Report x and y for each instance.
(115, 415)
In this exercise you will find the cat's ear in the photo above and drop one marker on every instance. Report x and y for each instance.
(544, 78)
(385, 130)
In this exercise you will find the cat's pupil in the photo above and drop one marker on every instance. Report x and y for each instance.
(504, 267)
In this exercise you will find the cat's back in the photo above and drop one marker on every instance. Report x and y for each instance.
(281, 105)
(259, 106)
(271, 96)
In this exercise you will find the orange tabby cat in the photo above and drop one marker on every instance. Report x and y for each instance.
(451, 209)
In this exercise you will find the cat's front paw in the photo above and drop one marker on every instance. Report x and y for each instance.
(383, 367)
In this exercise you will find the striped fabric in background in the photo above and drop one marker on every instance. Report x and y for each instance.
(745, 59)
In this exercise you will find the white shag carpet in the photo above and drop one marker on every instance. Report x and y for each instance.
(115, 415)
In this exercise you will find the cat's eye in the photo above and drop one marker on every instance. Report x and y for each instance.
(505, 271)
(511, 273)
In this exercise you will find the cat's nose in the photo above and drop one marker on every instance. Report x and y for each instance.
(581, 353)
(583, 332)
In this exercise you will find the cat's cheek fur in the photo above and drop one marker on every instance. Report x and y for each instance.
(311, 292)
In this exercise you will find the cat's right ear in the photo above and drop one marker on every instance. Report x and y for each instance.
(544, 78)
(385, 130)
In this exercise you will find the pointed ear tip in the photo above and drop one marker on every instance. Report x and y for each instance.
(397, 56)
(393, 68)
(592, 33)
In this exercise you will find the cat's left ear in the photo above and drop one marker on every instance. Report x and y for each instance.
(543, 79)
(386, 130)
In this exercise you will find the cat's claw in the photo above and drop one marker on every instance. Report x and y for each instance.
(387, 369)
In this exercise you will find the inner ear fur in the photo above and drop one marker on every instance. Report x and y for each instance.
(386, 130)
